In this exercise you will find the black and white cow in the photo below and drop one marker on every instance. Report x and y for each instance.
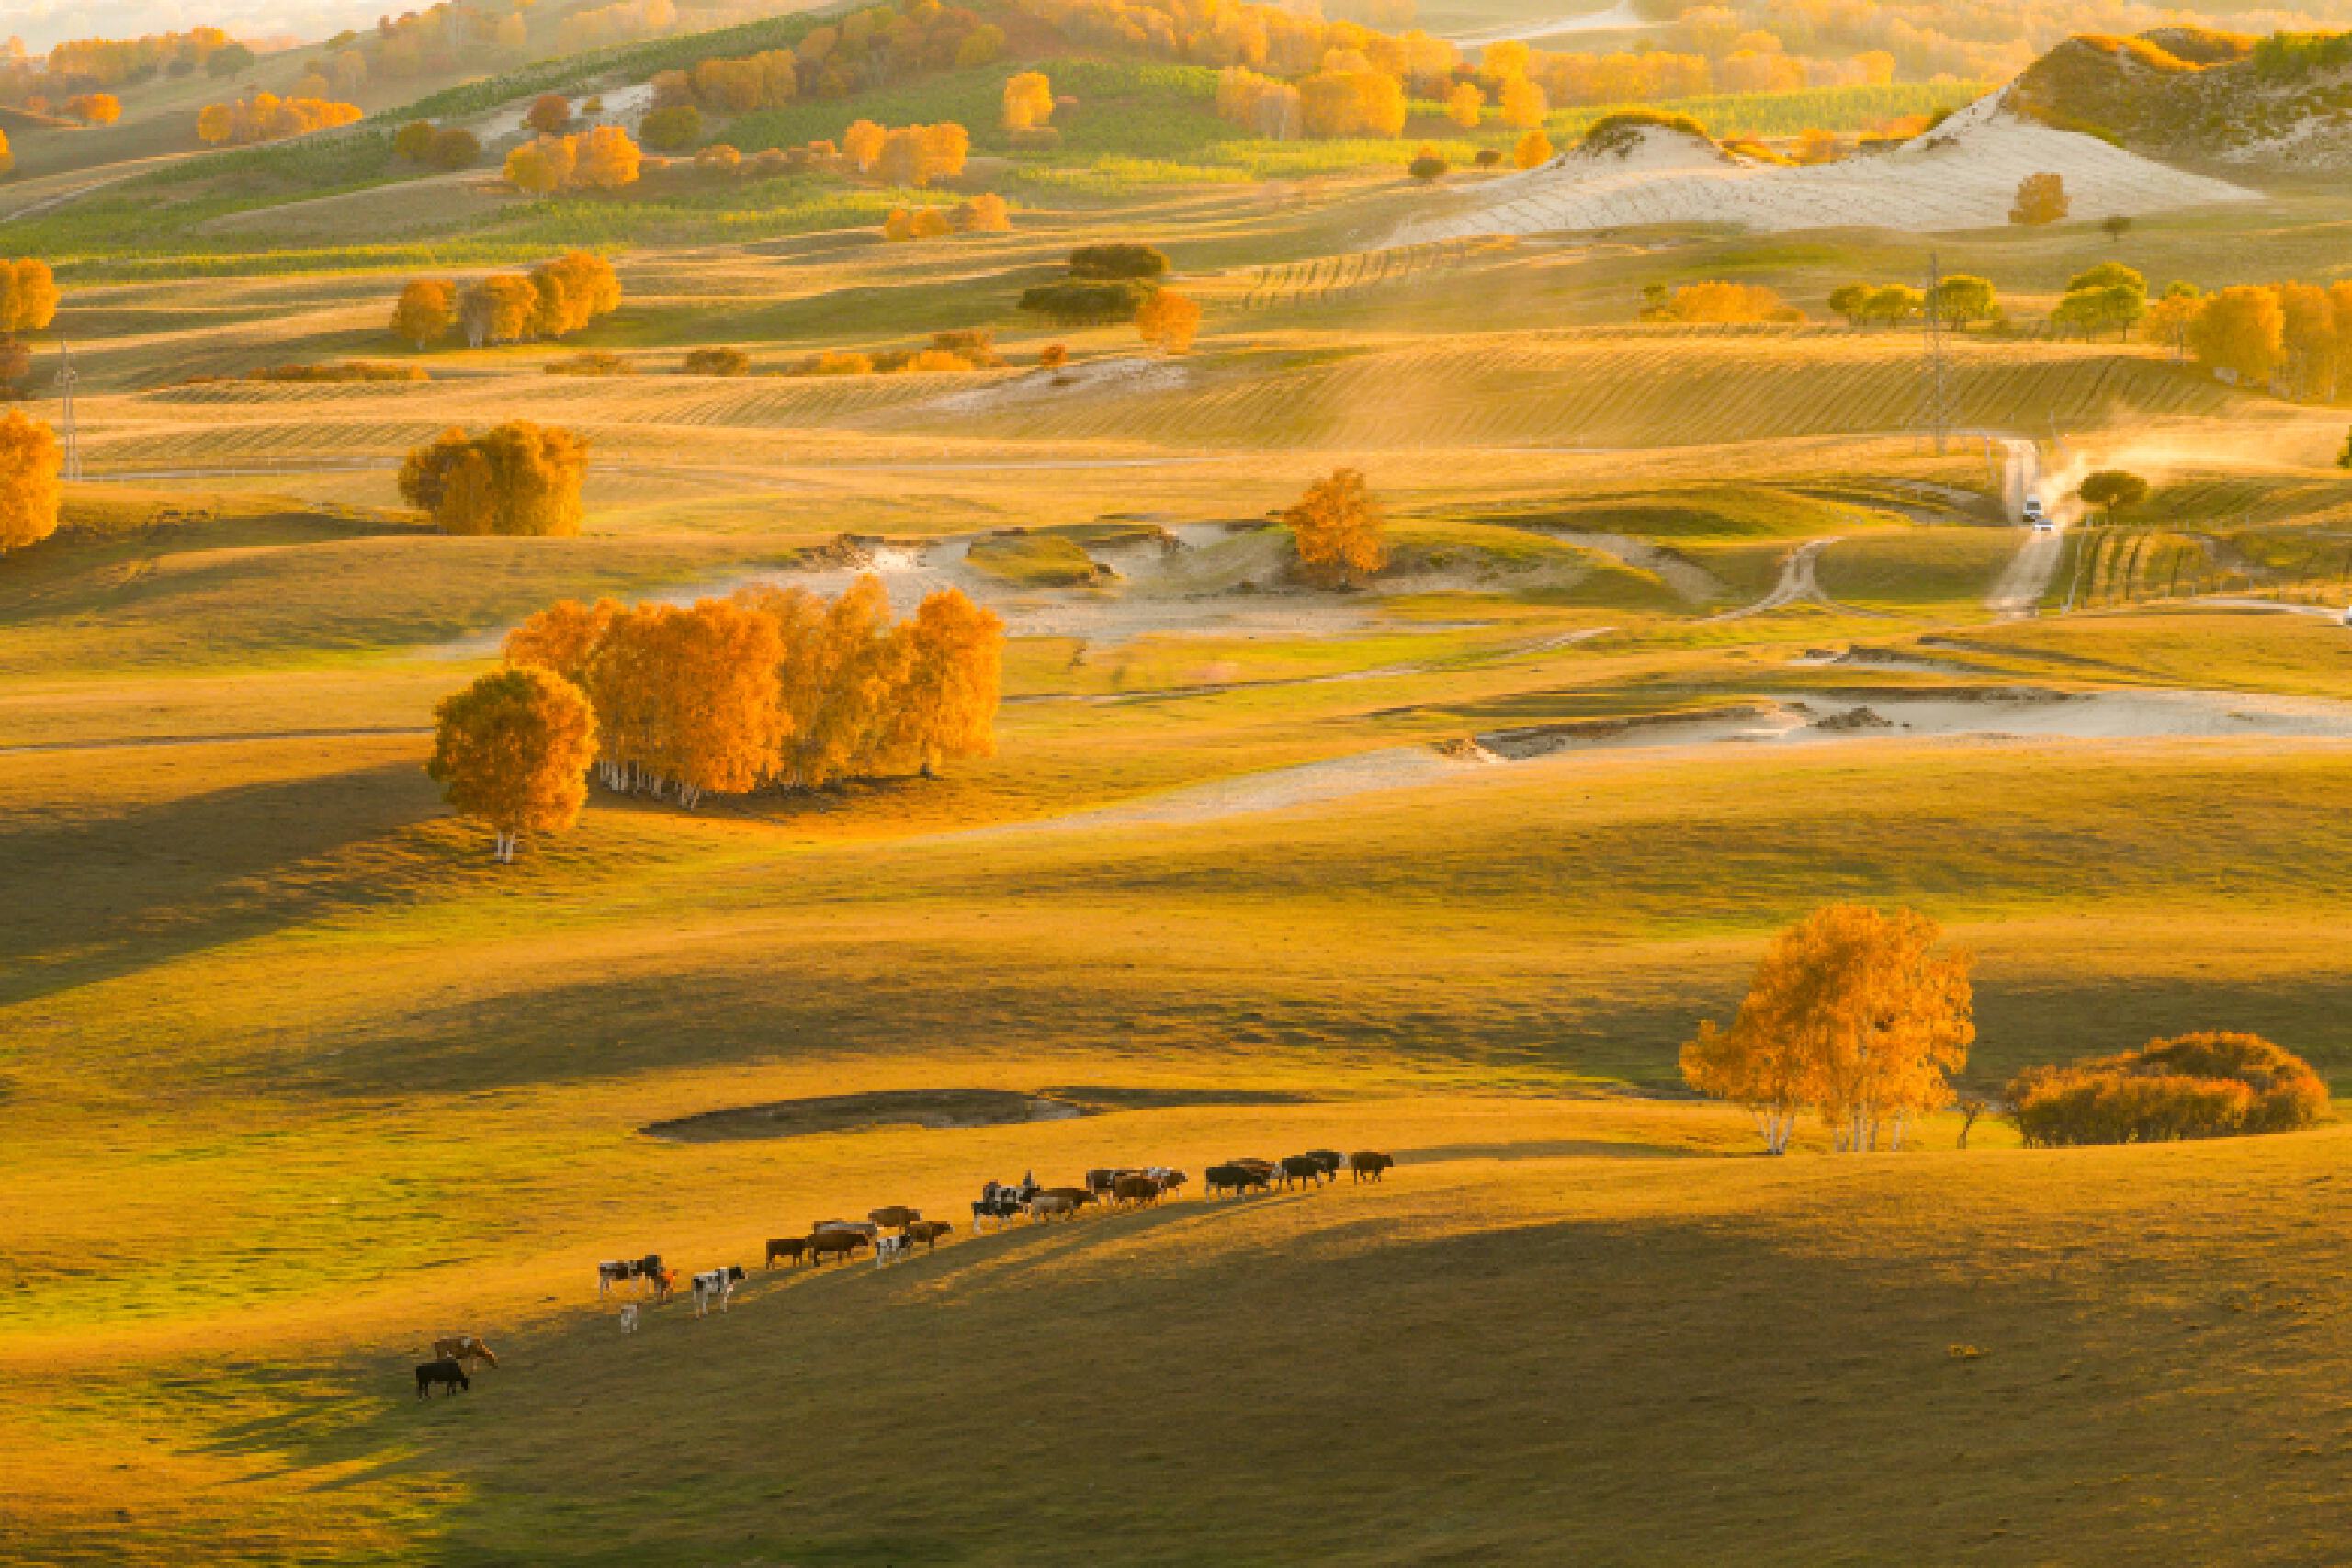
(623, 1271)
(1000, 1201)
(718, 1285)
(890, 1249)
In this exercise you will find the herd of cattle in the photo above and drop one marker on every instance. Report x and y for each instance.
(999, 1204)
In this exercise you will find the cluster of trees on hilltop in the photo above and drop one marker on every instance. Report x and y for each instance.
(266, 117)
(438, 147)
(771, 686)
(907, 155)
(518, 479)
(605, 157)
(2293, 338)
(552, 299)
(93, 67)
(878, 46)
(774, 685)
(1961, 301)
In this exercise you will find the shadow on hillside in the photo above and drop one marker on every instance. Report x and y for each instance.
(91, 899)
(1544, 1149)
(1320, 1378)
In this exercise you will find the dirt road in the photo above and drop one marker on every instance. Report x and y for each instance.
(1799, 584)
(2017, 594)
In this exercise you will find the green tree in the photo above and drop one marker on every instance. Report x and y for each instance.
(1963, 299)
(1896, 304)
(2113, 491)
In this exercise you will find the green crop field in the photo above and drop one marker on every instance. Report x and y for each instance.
(1673, 634)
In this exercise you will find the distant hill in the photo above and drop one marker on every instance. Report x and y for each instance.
(2193, 94)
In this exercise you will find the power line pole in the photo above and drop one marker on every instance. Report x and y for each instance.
(1937, 415)
(73, 466)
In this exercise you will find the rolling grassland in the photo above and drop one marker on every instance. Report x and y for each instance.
(1683, 634)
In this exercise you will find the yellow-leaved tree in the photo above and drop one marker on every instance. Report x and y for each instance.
(29, 463)
(562, 638)
(520, 480)
(426, 311)
(1169, 320)
(1465, 105)
(950, 676)
(28, 296)
(1028, 100)
(513, 750)
(1338, 529)
(1852, 1012)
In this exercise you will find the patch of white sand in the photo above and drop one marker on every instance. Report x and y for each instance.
(624, 107)
(1964, 175)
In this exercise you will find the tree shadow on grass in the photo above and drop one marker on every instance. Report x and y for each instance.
(88, 900)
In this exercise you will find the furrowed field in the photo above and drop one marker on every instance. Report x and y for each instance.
(1683, 632)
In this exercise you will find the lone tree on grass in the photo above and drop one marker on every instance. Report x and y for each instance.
(2113, 491)
(1852, 1012)
(519, 480)
(29, 465)
(2041, 199)
(514, 751)
(1337, 527)
(1168, 321)
(1427, 167)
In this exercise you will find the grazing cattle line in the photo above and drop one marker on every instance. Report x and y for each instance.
(1110, 1188)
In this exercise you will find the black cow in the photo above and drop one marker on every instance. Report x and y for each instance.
(1329, 1160)
(1236, 1178)
(1301, 1168)
(449, 1373)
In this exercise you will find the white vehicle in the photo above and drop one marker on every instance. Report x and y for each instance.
(2043, 526)
(2034, 512)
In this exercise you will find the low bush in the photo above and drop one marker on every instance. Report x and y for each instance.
(718, 362)
(1117, 261)
(2195, 1086)
(593, 361)
(1617, 133)
(1081, 302)
(836, 362)
(348, 370)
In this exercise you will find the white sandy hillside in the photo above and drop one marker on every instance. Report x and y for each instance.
(1963, 175)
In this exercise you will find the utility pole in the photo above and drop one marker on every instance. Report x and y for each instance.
(73, 464)
(1937, 415)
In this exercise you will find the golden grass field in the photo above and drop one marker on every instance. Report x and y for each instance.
(299, 1078)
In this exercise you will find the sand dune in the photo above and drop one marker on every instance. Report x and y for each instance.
(1964, 175)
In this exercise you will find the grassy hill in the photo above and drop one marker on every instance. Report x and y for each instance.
(2273, 104)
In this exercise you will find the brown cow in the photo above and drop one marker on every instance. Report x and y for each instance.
(895, 1217)
(791, 1249)
(1140, 1191)
(1367, 1164)
(466, 1348)
(931, 1233)
(1078, 1196)
(1049, 1205)
(828, 1243)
